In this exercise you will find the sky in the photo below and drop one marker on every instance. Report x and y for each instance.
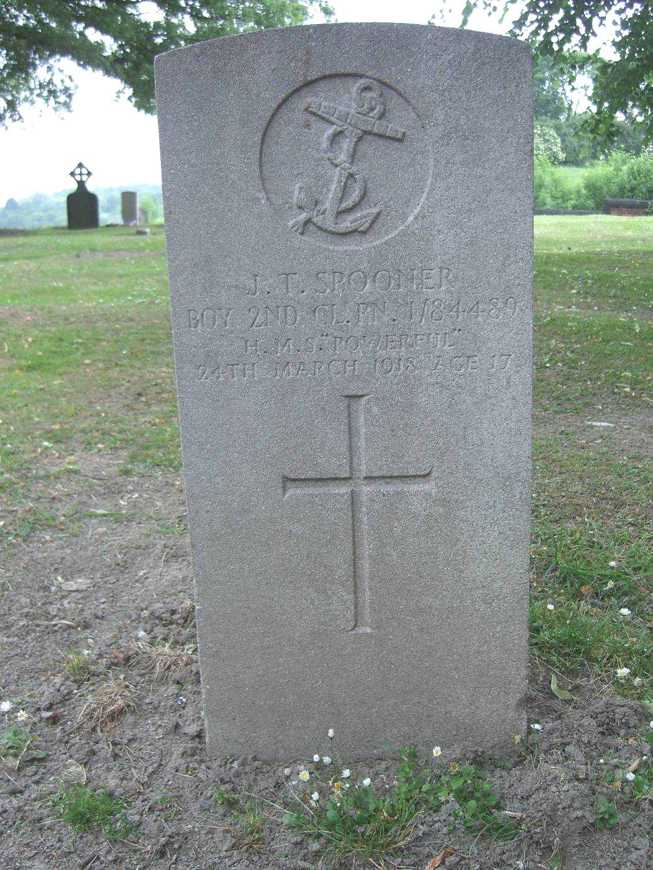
(120, 144)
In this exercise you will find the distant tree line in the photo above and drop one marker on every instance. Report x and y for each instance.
(564, 135)
(618, 176)
(49, 209)
(618, 166)
(620, 81)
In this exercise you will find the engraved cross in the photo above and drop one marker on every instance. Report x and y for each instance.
(356, 486)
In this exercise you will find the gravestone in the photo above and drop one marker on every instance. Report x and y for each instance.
(129, 207)
(626, 207)
(82, 205)
(349, 223)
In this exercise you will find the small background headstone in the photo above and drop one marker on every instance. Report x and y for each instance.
(82, 205)
(626, 207)
(129, 208)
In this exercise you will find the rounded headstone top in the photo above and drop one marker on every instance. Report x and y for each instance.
(340, 29)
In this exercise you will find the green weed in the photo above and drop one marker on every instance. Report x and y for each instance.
(249, 822)
(359, 822)
(251, 826)
(479, 807)
(226, 798)
(85, 809)
(606, 814)
(642, 785)
(166, 804)
(16, 747)
(78, 665)
(14, 742)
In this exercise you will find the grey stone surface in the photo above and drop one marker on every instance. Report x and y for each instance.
(129, 211)
(349, 223)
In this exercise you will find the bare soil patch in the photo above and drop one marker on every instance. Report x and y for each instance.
(114, 585)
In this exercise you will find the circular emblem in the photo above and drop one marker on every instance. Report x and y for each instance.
(345, 161)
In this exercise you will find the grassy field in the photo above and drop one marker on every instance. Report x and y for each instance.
(86, 367)
(101, 752)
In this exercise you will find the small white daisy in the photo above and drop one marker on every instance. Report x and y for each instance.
(550, 606)
(622, 673)
(366, 782)
(326, 759)
(304, 775)
(346, 773)
(630, 776)
(316, 758)
(612, 564)
(536, 726)
(437, 751)
(22, 716)
(5, 706)
(331, 733)
(315, 797)
(624, 611)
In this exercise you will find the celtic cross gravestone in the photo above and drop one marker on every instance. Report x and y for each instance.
(351, 316)
(82, 205)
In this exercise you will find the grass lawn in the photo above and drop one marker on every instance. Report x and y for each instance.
(86, 366)
(86, 380)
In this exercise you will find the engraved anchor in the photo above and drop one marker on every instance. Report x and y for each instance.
(349, 186)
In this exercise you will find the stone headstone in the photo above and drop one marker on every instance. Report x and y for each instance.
(349, 223)
(129, 207)
(82, 205)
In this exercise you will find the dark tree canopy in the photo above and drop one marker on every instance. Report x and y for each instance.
(553, 85)
(622, 84)
(116, 37)
(554, 80)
